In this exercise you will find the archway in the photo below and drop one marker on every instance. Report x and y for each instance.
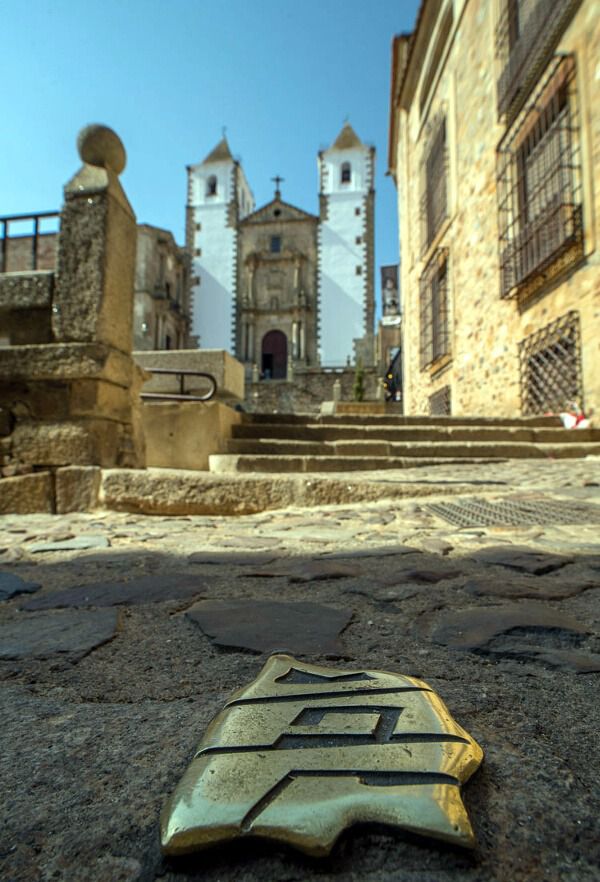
(274, 356)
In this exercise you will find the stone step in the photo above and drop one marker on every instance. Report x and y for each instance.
(435, 449)
(315, 433)
(303, 460)
(396, 420)
(224, 463)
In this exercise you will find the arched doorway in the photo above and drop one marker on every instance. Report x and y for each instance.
(274, 356)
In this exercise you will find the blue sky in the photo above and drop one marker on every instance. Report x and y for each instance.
(167, 75)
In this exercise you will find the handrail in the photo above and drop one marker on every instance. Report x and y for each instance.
(182, 395)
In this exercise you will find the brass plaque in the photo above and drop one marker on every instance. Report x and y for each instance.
(304, 752)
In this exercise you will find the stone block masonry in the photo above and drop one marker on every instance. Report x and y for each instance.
(69, 387)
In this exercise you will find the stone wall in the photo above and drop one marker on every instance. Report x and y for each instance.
(482, 370)
(69, 388)
(307, 390)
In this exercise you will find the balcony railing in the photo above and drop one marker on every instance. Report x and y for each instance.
(28, 241)
(527, 34)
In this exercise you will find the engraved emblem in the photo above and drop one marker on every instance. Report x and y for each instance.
(304, 752)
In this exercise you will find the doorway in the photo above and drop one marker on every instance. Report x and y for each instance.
(274, 356)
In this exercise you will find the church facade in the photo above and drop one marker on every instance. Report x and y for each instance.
(282, 289)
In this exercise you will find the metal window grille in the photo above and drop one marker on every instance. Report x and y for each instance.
(434, 333)
(539, 185)
(440, 403)
(434, 182)
(526, 34)
(550, 367)
(29, 241)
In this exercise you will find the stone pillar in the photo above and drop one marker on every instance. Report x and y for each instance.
(295, 349)
(93, 297)
(337, 391)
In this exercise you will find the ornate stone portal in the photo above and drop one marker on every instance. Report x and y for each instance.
(304, 752)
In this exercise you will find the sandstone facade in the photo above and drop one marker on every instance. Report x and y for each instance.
(494, 147)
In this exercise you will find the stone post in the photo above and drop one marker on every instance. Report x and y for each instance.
(94, 289)
(337, 391)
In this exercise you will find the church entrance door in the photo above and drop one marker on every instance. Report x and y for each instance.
(274, 356)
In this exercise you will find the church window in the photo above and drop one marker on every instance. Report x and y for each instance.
(275, 244)
(346, 173)
(358, 270)
(277, 212)
(198, 252)
(357, 211)
(198, 227)
(358, 240)
(211, 186)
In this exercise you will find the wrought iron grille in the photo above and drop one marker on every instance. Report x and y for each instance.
(434, 331)
(550, 367)
(440, 403)
(526, 35)
(434, 183)
(539, 186)
(28, 241)
(538, 511)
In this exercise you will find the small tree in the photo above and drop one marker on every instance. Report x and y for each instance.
(358, 389)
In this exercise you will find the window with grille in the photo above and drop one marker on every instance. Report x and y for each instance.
(539, 185)
(434, 330)
(211, 186)
(275, 244)
(434, 184)
(550, 367)
(440, 403)
(526, 35)
(346, 173)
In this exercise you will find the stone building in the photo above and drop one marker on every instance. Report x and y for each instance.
(218, 198)
(276, 303)
(162, 308)
(494, 147)
(316, 292)
(162, 292)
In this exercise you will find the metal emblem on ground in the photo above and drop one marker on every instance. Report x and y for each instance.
(538, 511)
(305, 752)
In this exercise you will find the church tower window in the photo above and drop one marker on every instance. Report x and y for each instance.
(346, 173)
(211, 186)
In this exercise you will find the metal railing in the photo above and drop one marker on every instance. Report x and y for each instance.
(182, 395)
(526, 35)
(26, 243)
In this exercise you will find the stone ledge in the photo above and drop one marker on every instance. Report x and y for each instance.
(66, 361)
(30, 290)
(27, 494)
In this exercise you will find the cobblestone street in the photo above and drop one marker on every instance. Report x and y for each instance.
(122, 636)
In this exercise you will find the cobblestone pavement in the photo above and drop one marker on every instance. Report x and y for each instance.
(109, 680)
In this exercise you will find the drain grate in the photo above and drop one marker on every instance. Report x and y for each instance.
(514, 513)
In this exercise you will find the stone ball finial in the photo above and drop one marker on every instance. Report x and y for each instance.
(99, 145)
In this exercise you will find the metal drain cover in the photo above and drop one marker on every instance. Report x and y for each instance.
(538, 511)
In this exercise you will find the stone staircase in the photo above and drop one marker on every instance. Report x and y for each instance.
(277, 443)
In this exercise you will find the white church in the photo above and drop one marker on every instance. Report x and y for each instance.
(328, 288)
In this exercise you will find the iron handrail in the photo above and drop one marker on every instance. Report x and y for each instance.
(182, 395)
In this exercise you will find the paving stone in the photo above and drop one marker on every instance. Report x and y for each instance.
(384, 551)
(232, 558)
(77, 543)
(522, 558)
(422, 577)
(249, 542)
(11, 585)
(45, 634)
(308, 570)
(538, 589)
(146, 589)
(474, 628)
(436, 546)
(267, 626)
